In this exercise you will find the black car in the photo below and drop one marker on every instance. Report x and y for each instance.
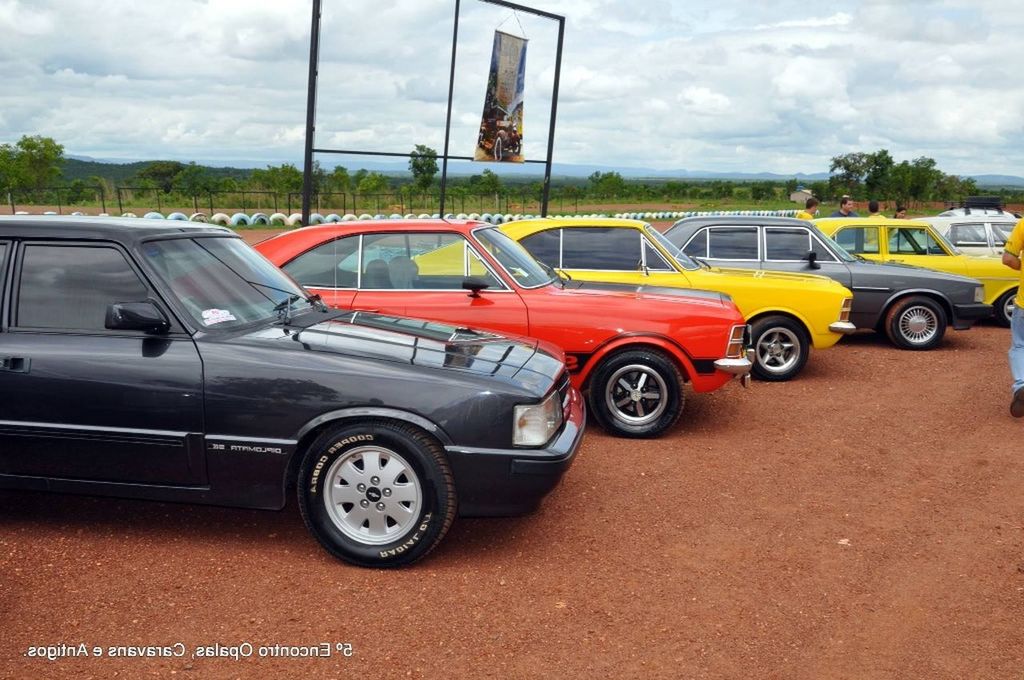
(911, 305)
(172, 362)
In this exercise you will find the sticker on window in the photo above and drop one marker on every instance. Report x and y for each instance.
(215, 316)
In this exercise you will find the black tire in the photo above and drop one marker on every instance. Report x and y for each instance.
(781, 348)
(916, 322)
(999, 309)
(337, 455)
(658, 414)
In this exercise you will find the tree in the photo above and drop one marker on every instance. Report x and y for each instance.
(762, 191)
(923, 178)
(340, 180)
(193, 180)
(423, 165)
(373, 183)
(848, 171)
(281, 179)
(878, 174)
(486, 183)
(38, 161)
(9, 171)
(607, 184)
(161, 173)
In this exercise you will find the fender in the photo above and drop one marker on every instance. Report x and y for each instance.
(632, 339)
(786, 311)
(374, 412)
(940, 298)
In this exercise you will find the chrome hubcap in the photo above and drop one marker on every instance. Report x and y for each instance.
(636, 394)
(1008, 308)
(918, 325)
(372, 495)
(778, 350)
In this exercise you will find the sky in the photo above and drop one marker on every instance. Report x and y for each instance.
(725, 85)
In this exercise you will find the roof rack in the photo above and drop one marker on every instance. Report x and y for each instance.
(982, 203)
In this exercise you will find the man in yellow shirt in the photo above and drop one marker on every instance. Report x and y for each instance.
(1012, 258)
(810, 210)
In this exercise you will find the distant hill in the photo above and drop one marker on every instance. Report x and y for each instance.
(83, 167)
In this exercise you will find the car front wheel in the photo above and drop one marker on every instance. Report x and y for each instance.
(1004, 307)
(915, 323)
(637, 393)
(376, 493)
(781, 348)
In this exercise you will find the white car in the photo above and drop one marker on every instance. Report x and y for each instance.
(975, 231)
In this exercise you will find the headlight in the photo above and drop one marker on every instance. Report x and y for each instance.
(536, 424)
(844, 311)
(979, 294)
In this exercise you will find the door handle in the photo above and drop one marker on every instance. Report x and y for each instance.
(363, 309)
(15, 364)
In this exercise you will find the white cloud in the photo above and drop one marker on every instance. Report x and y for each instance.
(723, 85)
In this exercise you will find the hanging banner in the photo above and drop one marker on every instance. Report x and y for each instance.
(501, 129)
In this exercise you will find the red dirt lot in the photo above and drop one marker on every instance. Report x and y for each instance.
(863, 521)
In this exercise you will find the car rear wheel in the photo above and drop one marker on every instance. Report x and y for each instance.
(1003, 308)
(781, 348)
(637, 393)
(376, 493)
(915, 323)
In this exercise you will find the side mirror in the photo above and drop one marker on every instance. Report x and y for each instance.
(474, 285)
(812, 260)
(136, 316)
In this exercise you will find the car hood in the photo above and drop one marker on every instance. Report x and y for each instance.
(421, 343)
(908, 271)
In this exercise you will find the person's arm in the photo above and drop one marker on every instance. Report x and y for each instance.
(1011, 261)
(1014, 244)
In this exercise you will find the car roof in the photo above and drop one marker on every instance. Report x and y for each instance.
(873, 221)
(714, 220)
(973, 217)
(127, 230)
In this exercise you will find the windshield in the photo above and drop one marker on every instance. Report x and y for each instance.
(841, 252)
(1001, 231)
(223, 283)
(684, 260)
(934, 233)
(513, 258)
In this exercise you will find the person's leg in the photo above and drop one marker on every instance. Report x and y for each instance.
(1017, 362)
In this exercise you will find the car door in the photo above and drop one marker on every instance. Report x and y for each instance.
(970, 237)
(83, 402)
(786, 249)
(331, 270)
(861, 240)
(420, 274)
(727, 246)
(917, 245)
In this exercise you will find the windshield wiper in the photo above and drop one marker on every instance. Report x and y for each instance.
(700, 261)
(555, 274)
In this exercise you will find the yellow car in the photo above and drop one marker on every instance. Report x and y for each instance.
(918, 243)
(787, 313)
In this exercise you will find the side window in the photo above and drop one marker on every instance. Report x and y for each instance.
(823, 253)
(72, 286)
(602, 248)
(698, 244)
(859, 240)
(334, 264)
(545, 246)
(419, 260)
(653, 259)
(968, 235)
(913, 241)
(733, 243)
(786, 244)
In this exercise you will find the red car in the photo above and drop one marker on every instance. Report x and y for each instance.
(630, 348)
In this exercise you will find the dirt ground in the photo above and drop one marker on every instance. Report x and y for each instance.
(863, 521)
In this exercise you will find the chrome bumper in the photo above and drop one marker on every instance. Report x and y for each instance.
(842, 327)
(737, 366)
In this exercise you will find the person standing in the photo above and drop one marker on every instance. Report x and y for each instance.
(846, 208)
(1011, 258)
(873, 210)
(810, 210)
(900, 214)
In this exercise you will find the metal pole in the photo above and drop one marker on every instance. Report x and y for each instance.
(120, 208)
(103, 199)
(448, 117)
(554, 114)
(314, 63)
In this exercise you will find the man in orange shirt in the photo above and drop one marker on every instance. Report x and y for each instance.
(1011, 258)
